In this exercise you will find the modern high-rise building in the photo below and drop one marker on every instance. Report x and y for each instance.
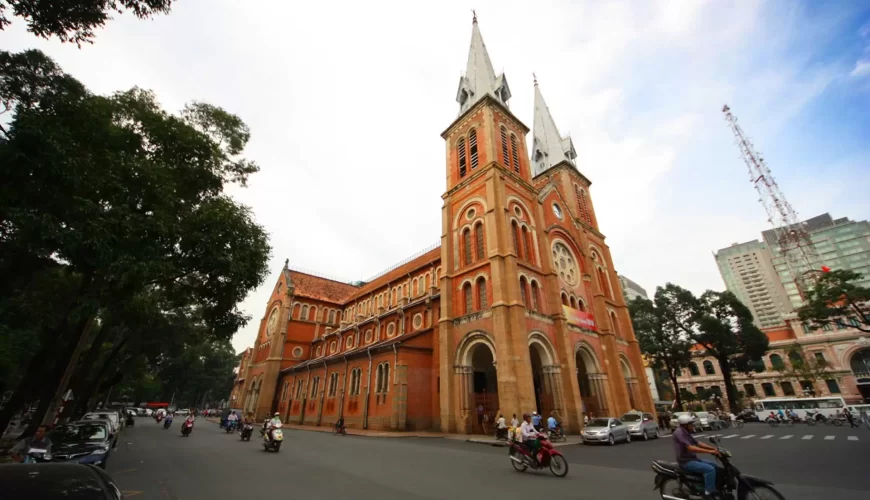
(631, 290)
(840, 244)
(749, 273)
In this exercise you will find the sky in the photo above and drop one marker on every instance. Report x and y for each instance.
(346, 102)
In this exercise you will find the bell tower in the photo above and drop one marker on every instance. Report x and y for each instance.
(488, 248)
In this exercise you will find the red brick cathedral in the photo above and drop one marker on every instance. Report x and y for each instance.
(518, 310)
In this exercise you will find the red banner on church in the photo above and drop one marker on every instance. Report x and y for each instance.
(579, 318)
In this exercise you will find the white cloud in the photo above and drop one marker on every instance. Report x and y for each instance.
(862, 68)
(346, 101)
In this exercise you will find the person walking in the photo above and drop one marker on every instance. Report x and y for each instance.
(850, 418)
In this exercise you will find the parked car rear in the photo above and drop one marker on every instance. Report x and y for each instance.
(57, 482)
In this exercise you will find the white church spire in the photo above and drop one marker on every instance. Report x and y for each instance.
(479, 78)
(549, 148)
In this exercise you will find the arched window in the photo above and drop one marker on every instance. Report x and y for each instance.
(466, 295)
(693, 369)
(776, 361)
(564, 299)
(478, 238)
(505, 159)
(524, 295)
(355, 377)
(708, 368)
(573, 303)
(516, 157)
(795, 359)
(515, 231)
(605, 285)
(749, 390)
(466, 242)
(333, 384)
(472, 148)
(615, 323)
(379, 378)
(460, 148)
(527, 245)
(581, 305)
(481, 293)
(314, 384)
(535, 296)
(787, 389)
(304, 315)
(420, 286)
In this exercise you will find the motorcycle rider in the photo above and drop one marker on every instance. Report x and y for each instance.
(686, 447)
(529, 435)
(270, 424)
(39, 441)
(232, 419)
(536, 420)
(552, 423)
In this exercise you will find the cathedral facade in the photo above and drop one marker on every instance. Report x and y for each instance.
(519, 308)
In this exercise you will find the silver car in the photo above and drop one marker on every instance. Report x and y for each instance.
(605, 430)
(677, 415)
(707, 420)
(641, 425)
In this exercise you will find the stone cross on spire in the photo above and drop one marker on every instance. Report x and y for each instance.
(549, 147)
(479, 78)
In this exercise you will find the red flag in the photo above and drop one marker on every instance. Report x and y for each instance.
(826, 269)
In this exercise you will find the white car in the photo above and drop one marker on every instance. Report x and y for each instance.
(104, 415)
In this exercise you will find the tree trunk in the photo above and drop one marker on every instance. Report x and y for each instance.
(673, 376)
(93, 385)
(725, 366)
(27, 388)
(83, 387)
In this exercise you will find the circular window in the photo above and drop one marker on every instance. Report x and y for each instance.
(272, 324)
(333, 346)
(565, 264)
(391, 329)
(518, 212)
(557, 211)
(349, 342)
(297, 352)
(418, 321)
(368, 336)
(470, 214)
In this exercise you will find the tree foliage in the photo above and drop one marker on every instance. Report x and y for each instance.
(836, 297)
(122, 204)
(659, 334)
(75, 20)
(801, 367)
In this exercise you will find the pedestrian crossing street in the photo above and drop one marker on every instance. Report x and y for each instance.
(805, 437)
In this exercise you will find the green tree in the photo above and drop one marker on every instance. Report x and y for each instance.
(124, 197)
(75, 20)
(802, 368)
(726, 331)
(836, 297)
(657, 325)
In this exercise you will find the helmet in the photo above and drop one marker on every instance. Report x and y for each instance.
(534, 413)
(277, 414)
(684, 420)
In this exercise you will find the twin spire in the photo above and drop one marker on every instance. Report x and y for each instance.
(549, 147)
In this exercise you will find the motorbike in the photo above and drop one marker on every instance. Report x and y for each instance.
(273, 437)
(231, 426)
(556, 434)
(186, 428)
(548, 457)
(167, 423)
(247, 430)
(158, 418)
(36, 455)
(130, 421)
(673, 483)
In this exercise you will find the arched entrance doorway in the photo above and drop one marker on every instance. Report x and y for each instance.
(630, 383)
(592, 383)
(477, 381)
(860, 365)
(545, 375)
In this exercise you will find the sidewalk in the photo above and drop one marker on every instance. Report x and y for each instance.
(477, 439)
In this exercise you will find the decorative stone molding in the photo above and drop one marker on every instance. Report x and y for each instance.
(539, 316)
(468, 318)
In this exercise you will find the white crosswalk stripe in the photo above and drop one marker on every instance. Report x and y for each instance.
(748, 436)
(731, 436)
(808, 436)
(787, 436)
(853, 438)
(829, 438)
(767, 436)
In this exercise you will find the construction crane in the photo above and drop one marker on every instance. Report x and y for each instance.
(795, 244)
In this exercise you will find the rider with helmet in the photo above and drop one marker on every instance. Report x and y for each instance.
(686, 447)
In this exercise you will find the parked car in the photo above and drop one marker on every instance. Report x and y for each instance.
(57, 482)
(87, 442)
(113, 431)
(605, 430)
(707, 420)
(106, 415)
(676, 416)
(641, 425)
(182, 412)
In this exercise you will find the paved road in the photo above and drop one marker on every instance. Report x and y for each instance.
(151, 463)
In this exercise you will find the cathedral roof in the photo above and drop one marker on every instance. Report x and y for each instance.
(549, 147)
(400, 273)
(479, 78)
(315, 287)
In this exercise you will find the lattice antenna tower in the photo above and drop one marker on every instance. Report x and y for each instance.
(794, 240)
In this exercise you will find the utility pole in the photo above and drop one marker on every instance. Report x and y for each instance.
(795, 245)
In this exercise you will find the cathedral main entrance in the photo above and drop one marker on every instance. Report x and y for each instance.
(593, 384)
(485, 389)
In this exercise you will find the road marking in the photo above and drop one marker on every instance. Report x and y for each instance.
(787, 436)
(700, 435)
(808, 436)
(131, 493)
(767, 436)
(748, 436)
(853, 438)
(829, 438)
(731, 436)
(125, 470)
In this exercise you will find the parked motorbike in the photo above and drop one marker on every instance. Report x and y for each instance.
(273, 437)
(548, 457)
(247, 430)
(186, 428)
(673, 483)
